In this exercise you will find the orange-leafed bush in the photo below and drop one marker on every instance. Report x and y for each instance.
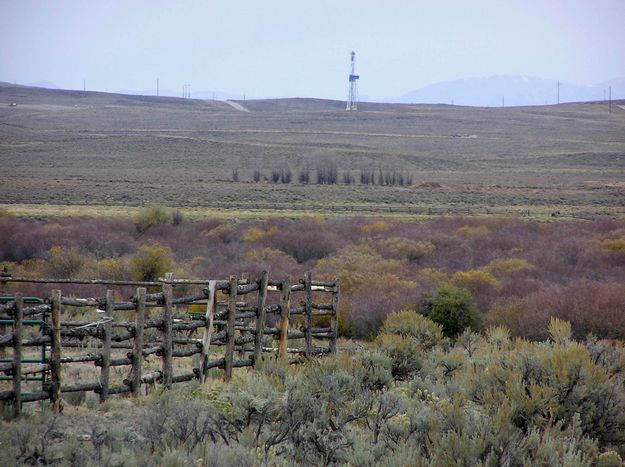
(252, 234)
(473, 231)
(151, 262)
(378, 226)
(481, 283)
(616, 246)
(404, 248)
(432, 279)
(354, 263)
(112, 269)
(64, 262)
(476, 280)
(505, 267)
(151, 216)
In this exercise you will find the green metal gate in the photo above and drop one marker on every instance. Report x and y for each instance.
(28, 322)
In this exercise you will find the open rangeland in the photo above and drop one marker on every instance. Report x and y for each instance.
(60, 148)
(462, 340)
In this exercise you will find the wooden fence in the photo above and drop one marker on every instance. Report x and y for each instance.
(250, 319)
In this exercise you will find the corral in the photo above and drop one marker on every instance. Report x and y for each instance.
(162, 327)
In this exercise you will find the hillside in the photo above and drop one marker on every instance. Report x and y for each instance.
(72, 147)
(516, 91)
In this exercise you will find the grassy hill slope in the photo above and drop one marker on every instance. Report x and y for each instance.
(72, 147)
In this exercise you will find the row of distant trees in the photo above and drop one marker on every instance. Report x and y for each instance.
(331, 176)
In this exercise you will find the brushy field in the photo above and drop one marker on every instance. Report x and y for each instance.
(73, 148)
(412, 397)
(518, 273)
(465, 340)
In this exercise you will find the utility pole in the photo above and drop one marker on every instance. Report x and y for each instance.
(610, 94)
(84, 85)
(558, 87)
(503, 101)
(156, 87)
(186, 91)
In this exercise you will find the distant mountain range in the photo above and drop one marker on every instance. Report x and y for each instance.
(493, 91)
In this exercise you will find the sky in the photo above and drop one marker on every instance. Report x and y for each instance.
(279, 48)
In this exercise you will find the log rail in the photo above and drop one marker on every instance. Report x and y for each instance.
(288, 319)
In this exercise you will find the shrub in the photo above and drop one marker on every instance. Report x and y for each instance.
(433, 278)
(590, 307)
(454, 309)
(615, 246)
(609, 459)
(470, 231)
(151, 262)
(375, 227)
(149, 217)
(252, 234)
(405, 353)
(64, 263)
(502, 267)
(404, 248)
(409, 323)
(177, 217)
(112, 269)
(476, 280)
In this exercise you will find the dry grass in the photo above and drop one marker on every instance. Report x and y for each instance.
(71, 148)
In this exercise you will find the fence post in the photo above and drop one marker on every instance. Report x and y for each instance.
(17, 355)
(285, 304)
(167, 331)
(232, 310)
(107, 327)
(261, 316)
(208, 328)
(334, 319)
(55, 353)
(137, 348)
(3, 284)
(308, 310)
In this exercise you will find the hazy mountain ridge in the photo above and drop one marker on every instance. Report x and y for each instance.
(495, 91)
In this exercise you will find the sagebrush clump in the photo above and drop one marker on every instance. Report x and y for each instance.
(481, 400)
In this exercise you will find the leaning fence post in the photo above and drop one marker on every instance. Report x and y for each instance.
(308, 311)
(137, 348)
(17, 354)
(167, 331)
(107, 327)
(232, 310)
(261, 315)
(334, 319)
(285, 304)
(208, 328)
(55, 353)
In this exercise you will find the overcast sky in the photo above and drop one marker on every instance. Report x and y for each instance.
(301, 48)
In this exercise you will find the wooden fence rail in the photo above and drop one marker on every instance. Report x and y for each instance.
(242, 326)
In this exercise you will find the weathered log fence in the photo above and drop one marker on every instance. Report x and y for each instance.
(245, 319)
